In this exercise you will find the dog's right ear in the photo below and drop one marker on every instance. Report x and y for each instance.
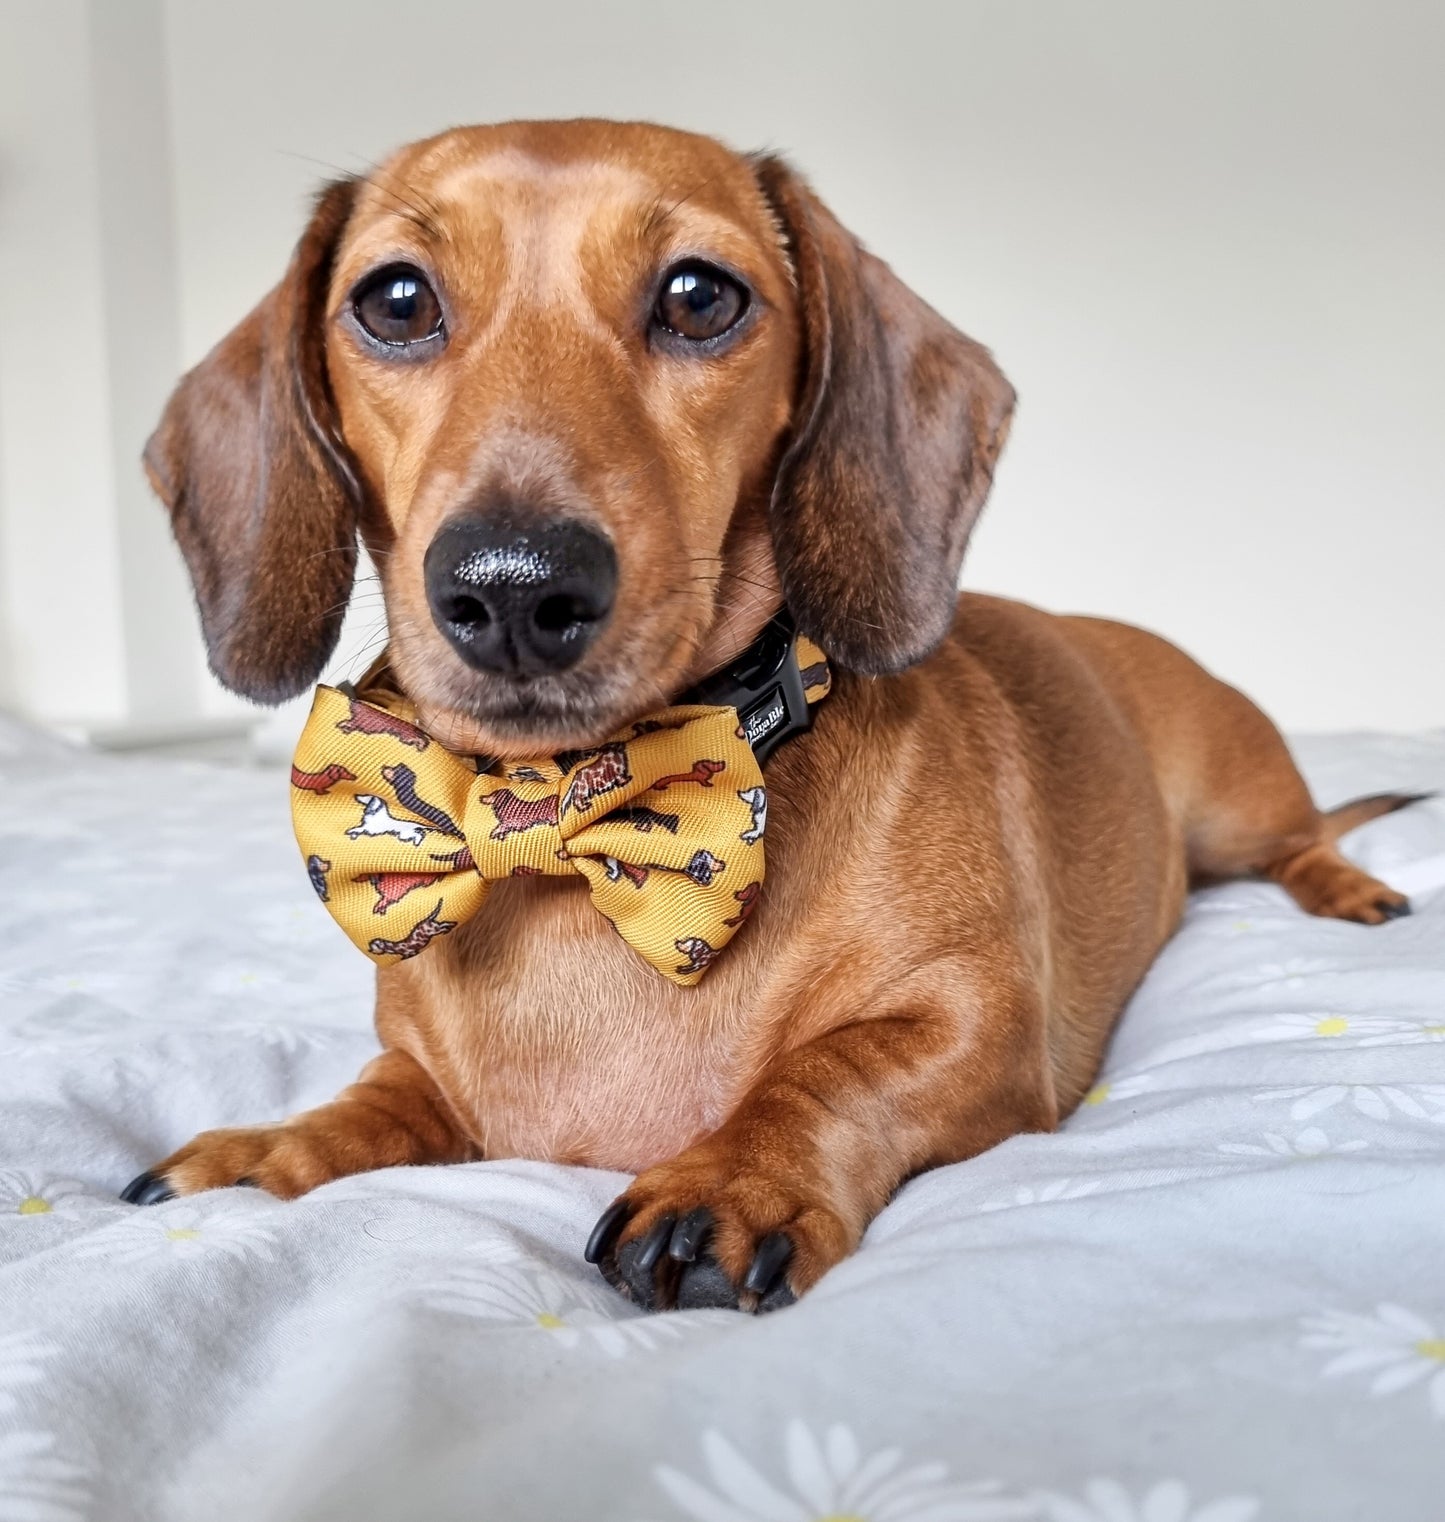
(900, 420)
(262, 491)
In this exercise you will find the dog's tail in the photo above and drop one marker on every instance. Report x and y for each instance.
(1350, 816)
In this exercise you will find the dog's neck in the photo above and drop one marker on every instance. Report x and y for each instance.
(750, 596)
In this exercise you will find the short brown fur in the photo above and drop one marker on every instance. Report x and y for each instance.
(972, 858)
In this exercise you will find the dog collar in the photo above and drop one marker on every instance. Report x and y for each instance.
(773, 685)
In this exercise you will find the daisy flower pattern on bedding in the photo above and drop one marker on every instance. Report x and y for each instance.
(1044, 1194)
(21, 1354)
(1396, 1347)
(1168, 1501)
(23, 1194)
(1349, 1030)
(1378, 1101)
(36, 1484)
(564, 1313)
(829, 1479)
(1311, 1143)
(187, 1232)
(1408, 1033)
(1115, 1087)
(1293, 972)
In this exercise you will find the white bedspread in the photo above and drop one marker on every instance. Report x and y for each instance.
(1218, 1295)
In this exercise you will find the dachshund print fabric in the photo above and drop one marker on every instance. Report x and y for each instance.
(401, 839)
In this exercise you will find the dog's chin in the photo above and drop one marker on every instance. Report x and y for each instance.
(521, 721)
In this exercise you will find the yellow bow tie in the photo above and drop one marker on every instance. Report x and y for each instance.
(664, 820)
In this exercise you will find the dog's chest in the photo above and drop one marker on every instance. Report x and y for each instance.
(553, 1039)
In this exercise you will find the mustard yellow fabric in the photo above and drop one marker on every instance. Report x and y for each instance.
(664, 820)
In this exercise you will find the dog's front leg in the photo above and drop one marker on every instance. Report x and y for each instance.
(391, 1116)
(754, 1214)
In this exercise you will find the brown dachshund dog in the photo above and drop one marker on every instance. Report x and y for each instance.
(671, 367)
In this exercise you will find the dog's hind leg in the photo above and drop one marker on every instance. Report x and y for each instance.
(1229, 781)
(1320, 879)
(1252, 815)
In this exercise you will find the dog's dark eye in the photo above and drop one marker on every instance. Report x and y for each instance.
(396, 306)
(699, 302)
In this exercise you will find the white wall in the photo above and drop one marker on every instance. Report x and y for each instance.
(59, 547)
(95, 619)
(1205, 241)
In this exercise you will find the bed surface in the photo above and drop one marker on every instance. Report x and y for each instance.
(1217, 1295)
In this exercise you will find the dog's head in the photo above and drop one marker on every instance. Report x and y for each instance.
(597, 397)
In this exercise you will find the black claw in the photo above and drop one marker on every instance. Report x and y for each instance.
(604, 1233)
(1393, 911)
(611, 1270)
(768, 1262)
(692, 1231)
(147, 1189)
(654, 1244)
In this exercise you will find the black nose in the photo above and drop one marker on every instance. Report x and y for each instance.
(520, 596)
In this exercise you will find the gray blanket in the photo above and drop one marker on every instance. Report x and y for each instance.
(1217, 1295)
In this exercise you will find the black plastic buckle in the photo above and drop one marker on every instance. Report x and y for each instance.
(765, 685)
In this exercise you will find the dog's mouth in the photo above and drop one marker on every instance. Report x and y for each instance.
(521, 718)
(529, 722)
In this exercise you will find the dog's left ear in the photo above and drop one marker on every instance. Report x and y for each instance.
(262, 492)
(900, 419)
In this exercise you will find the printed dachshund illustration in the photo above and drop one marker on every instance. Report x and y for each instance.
(417, 939)
(644, 820)
(756, 799)
(748, 901)
(515, 814)
(703, 867)
(525, 774)
(459, 860)
(403, 784)
(617, 870)
(699, 953)
(702, 773)
(367, 720)
(605, 773)
(377, 819)
(565, 760)
(320, 782)
(316, 869)
(392, 887)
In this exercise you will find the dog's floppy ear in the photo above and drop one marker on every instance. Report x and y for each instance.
(262, 493)
(900, 419)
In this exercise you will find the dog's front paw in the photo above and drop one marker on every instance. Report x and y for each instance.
(711, 1229)
(279, 1159)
